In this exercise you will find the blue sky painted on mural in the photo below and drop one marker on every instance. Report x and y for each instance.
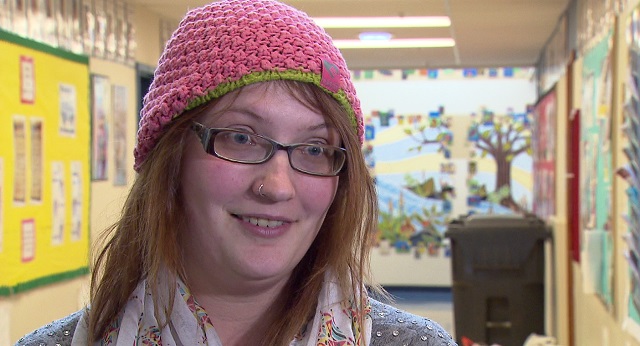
(399, 150)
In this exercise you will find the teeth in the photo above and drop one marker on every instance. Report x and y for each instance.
(262, 222)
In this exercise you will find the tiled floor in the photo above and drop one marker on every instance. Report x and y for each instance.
(434, 303)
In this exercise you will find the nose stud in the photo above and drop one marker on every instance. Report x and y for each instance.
(260, 190)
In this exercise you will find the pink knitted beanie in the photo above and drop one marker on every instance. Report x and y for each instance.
(229, 44)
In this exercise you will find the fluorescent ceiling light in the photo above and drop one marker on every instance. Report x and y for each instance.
(375, 35)
(383, 22)
(396, 43)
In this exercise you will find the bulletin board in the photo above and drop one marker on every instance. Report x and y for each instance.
(44, 164)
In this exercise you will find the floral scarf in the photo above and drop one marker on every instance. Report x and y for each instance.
(336, 322)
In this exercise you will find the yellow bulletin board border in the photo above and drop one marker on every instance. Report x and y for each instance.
(7, 290)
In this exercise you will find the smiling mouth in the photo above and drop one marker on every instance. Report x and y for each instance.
(262, 222)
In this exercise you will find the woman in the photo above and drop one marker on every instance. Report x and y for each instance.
(250, 220)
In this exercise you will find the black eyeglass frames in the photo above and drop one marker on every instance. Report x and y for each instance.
(245, 147)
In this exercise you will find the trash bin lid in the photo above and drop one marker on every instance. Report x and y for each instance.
(506, 220)
(496, 241)
(493, 222)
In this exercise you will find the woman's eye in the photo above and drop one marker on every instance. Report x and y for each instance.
(314, 150)
(241, 138)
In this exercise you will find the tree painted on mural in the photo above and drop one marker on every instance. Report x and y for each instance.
(434, 132)
(503, 138)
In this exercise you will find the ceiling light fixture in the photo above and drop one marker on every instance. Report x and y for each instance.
(396, 43)
(375, 35)
(384, 22)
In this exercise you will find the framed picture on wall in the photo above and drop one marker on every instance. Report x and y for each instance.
(100, 115)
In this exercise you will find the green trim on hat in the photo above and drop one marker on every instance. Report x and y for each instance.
(265, 76)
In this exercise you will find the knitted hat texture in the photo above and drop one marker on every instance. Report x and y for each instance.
(229, 44)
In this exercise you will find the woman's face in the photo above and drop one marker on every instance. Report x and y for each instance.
(234, 234)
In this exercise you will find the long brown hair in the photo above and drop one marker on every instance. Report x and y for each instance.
(145, 240)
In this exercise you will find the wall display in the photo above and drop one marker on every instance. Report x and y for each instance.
(5, 15)
(28, 240)
(42, 13)
(78, 205)
(100, 35)
(631, 171)
(544, 148)
(18, 17)
(36, 159)
(120, 152)
(27, 80)
(20, 160)
(58, 201)
(68, 110)
(596, 171)
(100, 114)
(436, 156)
(44, 164)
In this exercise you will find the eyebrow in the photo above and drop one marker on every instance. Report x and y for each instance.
(245, 111)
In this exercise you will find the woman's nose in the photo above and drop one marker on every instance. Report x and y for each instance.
(277, 178)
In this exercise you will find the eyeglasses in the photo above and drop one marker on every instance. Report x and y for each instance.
(246, 147)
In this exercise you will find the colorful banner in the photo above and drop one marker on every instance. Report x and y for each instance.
(445, 74)
(44, 164)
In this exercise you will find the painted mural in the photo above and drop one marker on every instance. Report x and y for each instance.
(411, 158)
(441, 144)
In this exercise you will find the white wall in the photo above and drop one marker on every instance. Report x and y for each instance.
(459, 96)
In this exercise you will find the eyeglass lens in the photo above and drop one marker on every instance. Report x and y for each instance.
(244, 147)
